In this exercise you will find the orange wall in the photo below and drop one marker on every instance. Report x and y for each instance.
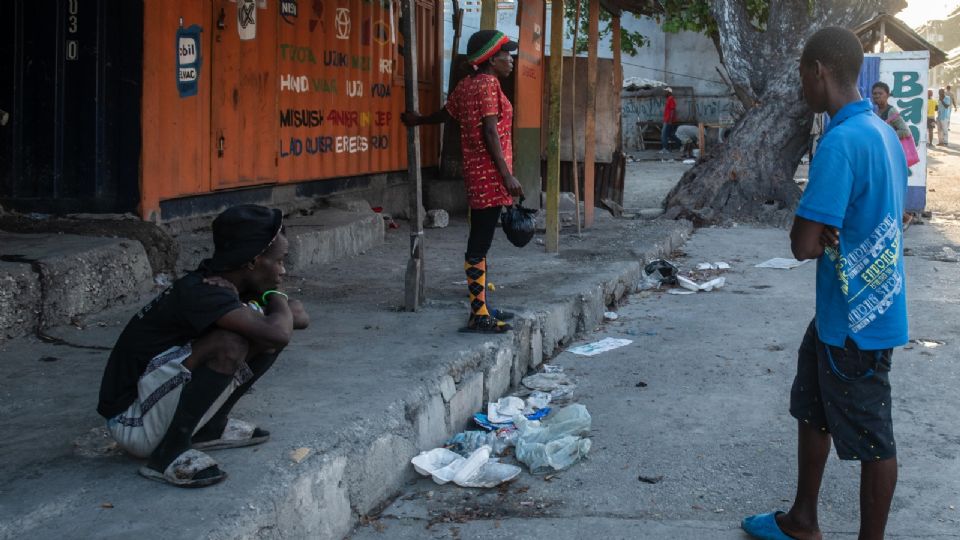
(310, 97)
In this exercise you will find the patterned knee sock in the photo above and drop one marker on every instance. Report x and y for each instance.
(476, 270)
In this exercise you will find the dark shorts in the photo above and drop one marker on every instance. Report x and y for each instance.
(846, 392)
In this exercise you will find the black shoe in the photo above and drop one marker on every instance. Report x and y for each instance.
(485, 324)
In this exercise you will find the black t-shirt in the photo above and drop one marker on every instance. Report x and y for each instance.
(180, 314)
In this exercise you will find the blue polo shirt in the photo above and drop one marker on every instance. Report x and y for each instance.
(858, 181)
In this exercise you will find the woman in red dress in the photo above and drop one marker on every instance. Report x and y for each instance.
(485, 116)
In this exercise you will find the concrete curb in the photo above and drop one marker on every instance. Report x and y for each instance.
(50, 279)
(357, 470)
(328, 235)
(315, 241)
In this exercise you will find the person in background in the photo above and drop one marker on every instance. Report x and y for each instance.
(689, 137)
(849, 220)
(668, 133)
(880, 94)
(944, 108)
(485, 116)
(953, 97)
(931, 115)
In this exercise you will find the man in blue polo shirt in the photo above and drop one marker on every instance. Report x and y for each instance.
(848, 219)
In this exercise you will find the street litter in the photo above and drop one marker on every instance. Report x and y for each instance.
(538, 400)
(680, 292)
(689, 161)
(300, 454)
(545, 382)
(552, 368)
(693, 286)
(484, 421)
(713, 266)
(505, 409)
(781, 263)
(465, 442)
(478, 470)
(610, 315)
(557, 442)
(562, 393)
(929, 343)
(659, 272)
(602, 346)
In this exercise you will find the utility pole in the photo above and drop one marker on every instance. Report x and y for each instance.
(413, 297)
(553, 137)
(488, 15)
(590, 127)
(573, 118)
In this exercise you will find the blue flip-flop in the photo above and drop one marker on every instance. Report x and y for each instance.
(764, 527)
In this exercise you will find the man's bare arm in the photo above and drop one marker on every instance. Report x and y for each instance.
(272, 330)
(805, 238)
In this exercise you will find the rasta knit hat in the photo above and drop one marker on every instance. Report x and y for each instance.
(241, 233)
(486, 43)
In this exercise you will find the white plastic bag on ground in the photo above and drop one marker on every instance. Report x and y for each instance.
(571, 420)
(553, 456)
(505, 409)
(555, 443)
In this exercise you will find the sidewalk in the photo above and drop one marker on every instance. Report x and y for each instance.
(363, 389)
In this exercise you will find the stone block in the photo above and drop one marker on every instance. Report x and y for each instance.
(467, 401)
(430, 423)
(447, 387)
(330, 235)
(536, 347)
(437, 219)
(557, 324)
(349, 204)
(80, 283)
(318, 504)
(19, 299)
(497, 376)
(379, 470)
(520, 360)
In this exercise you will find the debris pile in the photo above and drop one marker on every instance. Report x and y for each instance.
(540, 438)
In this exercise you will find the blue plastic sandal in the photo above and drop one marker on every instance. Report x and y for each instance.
(764, 527)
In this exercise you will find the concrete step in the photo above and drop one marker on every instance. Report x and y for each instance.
(51, 279)
(324, 236)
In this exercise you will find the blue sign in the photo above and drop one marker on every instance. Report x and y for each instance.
(288, 10)
(188, 60)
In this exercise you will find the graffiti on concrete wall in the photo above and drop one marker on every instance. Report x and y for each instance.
(638, 110)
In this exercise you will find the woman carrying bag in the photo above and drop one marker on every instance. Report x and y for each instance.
(889, 114)
(485, 116)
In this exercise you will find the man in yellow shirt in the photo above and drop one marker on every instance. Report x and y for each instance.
(931, 115)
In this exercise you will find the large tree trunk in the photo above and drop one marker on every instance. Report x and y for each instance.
(750, 176)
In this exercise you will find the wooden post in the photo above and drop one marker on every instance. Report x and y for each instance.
(883, 34)
(590, 128)
(413, 297)
(553, 137)
(701, 144)
(488, 15)
(573, 117)
(617, 75)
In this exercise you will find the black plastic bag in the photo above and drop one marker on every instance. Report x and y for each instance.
(518, 223)
(663, 271)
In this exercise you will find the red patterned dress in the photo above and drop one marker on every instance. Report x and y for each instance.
(473, 99)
